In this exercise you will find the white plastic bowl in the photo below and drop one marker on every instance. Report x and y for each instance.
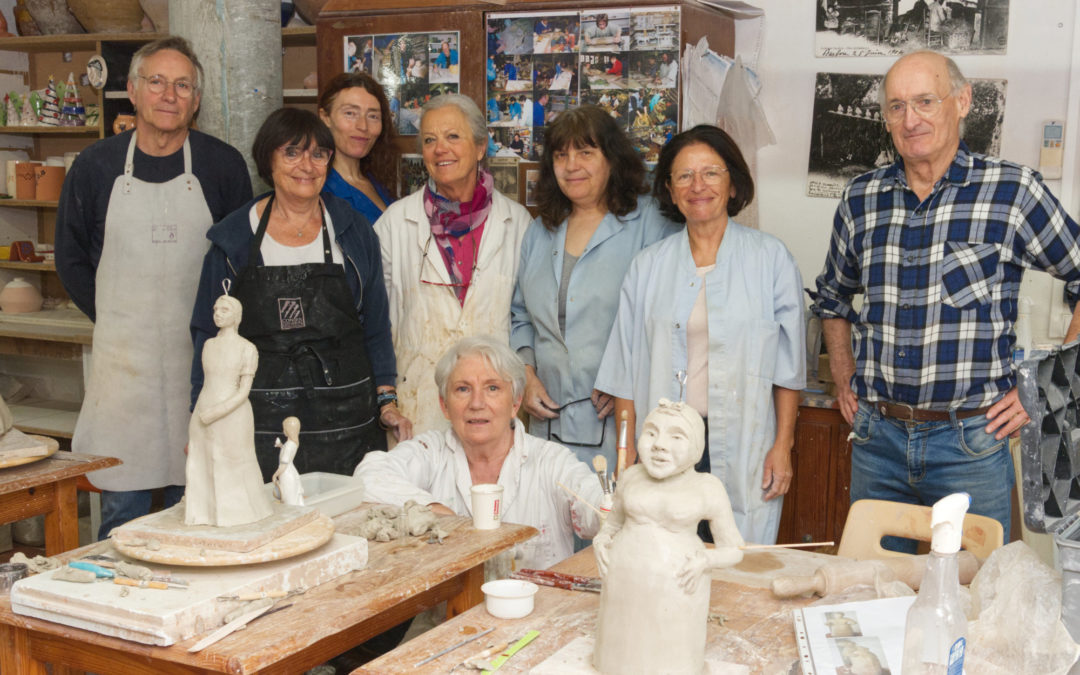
(509, 598)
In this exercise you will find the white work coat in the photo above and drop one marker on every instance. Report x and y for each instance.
(427, 319)
(756, 340)
(432, 467)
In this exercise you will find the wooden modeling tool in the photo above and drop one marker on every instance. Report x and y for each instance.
(805, 544)
(599, 463)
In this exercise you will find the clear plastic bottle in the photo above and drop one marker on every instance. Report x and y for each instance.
(935, 635)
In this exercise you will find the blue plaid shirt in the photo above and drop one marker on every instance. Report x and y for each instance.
(941, 277)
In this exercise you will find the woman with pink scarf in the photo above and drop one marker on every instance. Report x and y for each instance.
(450, 254)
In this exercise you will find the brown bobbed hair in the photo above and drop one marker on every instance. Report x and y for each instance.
(723, 145)
(287, 126)
(589, 126)
(381, 162)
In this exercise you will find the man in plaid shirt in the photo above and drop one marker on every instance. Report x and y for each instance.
(937, 244)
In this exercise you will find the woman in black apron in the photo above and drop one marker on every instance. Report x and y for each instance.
(308, 272)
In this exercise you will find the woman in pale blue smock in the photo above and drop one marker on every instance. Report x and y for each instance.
(593, 220)
(355, 108)
(739, 345)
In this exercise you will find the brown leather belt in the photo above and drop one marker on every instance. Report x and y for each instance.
(902, 411)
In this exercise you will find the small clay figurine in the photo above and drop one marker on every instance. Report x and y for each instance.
(286, 478)
(655, 599)
(224, 483)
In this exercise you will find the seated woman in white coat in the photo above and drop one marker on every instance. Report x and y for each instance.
(481, 382)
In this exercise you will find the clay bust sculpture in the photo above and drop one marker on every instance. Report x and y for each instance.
(655, 599)
(286, 477)
(224, 484)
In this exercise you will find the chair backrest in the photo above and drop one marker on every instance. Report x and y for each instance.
(869, 520)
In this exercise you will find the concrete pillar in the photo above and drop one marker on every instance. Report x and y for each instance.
(239, 45)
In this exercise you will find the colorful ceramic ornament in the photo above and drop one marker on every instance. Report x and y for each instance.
(73, 114)
(50, 111)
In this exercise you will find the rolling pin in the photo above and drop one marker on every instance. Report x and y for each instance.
(835, 577)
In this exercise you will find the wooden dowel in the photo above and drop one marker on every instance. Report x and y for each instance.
(581, 499)
(809, 544)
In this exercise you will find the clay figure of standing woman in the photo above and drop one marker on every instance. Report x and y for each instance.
(224, 484)
(655, 599)
(286, 478)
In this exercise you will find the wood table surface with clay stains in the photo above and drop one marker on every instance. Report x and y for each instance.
(757, 631)
(402, 578)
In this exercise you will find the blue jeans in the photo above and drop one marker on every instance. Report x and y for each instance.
(921, 462)
(119, 507)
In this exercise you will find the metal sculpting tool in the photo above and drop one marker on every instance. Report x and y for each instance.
(453, 647)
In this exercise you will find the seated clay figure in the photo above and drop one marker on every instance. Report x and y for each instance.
(224, 484)
(286, 478)
(655, 599)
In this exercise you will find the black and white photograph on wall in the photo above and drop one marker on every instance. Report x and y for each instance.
(848, 136)
(413, 173)
(895, 27)
(654, 28)
(504, 170)
(605, 31)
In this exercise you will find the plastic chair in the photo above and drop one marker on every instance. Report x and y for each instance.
(869, 520)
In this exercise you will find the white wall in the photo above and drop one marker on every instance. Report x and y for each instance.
(1038, 67)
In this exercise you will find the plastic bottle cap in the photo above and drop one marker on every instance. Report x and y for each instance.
(947, 522)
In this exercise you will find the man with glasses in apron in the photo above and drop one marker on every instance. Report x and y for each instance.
(130, 236)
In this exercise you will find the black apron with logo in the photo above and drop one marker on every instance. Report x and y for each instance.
(313, 361)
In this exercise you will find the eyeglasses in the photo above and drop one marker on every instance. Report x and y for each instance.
(461, 284)
(926, 105)
(552, 436)
(157, 84)
(710, 175)
(291, 154)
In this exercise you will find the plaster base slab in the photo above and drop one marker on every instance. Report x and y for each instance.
(17, 448)
(300, 540)
(164, 617)
(576, 659)
(167, 527)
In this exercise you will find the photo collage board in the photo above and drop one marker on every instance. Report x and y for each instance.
(624, 60)
(411, 67)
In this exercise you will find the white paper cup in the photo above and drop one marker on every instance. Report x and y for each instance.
(486, 506)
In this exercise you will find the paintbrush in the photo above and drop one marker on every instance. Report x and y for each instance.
(600, 464)
(620, 462)
(581, 499)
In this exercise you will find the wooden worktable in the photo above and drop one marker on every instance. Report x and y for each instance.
(757, 631)
(402, 579)
(48, 486)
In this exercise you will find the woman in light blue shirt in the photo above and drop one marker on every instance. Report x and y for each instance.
(593, 220)
(364, 172)
(718, 308)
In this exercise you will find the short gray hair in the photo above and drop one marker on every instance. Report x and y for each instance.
(173, 42)
(503, 361)
(473, 116)
(957, 81)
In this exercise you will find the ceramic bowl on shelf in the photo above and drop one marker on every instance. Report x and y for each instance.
(19, 297)
(509, 598)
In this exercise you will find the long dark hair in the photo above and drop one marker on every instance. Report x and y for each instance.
(381, 162)
(591, 126)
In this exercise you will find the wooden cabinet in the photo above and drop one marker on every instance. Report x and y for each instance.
(816, 506)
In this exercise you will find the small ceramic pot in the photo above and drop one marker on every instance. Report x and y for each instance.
(122, 123)
(26, 179)
(509, 598)
(49, 181)
(19, 297)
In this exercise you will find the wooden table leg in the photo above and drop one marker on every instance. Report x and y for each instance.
(62, 520)
(470, 594)
(15, 652)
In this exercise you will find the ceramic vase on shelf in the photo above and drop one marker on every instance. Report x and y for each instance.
(108, 16)
(19, 297)
(53, 18)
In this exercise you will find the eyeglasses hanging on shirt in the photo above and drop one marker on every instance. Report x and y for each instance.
(552, 436)
(453, 275)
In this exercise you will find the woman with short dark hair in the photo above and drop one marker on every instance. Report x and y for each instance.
(593, 219)
(307, 270)
(714, 316)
